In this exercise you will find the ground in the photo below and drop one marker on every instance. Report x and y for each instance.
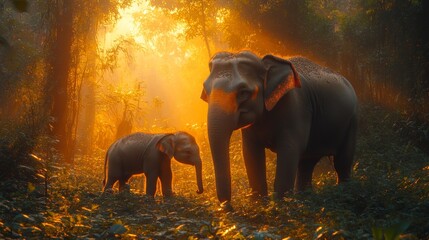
(389, 194)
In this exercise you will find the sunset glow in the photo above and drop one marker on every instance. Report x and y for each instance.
(126, 25)
(98, 100)
(154, 57)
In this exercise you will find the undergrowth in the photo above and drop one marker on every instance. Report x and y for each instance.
(387, 198)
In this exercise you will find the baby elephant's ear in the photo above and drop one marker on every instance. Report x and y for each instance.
(166, 145)
(281, 78)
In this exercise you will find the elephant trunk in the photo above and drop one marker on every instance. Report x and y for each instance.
(199, 173)
(220, 125)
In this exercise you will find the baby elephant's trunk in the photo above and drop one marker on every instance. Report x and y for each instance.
(199, 173)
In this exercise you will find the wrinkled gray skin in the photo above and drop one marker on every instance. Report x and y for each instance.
(294, 107)
(150, 154)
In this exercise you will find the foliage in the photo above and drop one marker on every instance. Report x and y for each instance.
(24, 87)
(380, 45)
(22, 113)
(388, 195)
(71, 58)
(199, 17)
(392, 232)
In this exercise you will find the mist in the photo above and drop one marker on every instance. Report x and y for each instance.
(155, 80)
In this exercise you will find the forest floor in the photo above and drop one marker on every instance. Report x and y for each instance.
(389, 195)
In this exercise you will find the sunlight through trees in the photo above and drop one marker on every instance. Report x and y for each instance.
(76, 75)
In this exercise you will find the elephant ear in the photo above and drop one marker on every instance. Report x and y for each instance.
(206, 84)
(204, 95)
(281, 77)
(166, 145)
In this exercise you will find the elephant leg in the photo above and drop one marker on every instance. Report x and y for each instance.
(343, 160)
(166, 177)
(151, 181)
(109, 184)
(286, 171)
(256, 174)
(254, 160)
(123, 184)
(305, 173)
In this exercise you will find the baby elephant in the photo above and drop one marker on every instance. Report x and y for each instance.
(150, 154)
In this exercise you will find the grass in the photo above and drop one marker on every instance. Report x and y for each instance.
(387, 198)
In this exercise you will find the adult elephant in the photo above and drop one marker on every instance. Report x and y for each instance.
(294, 107)
(150, 154)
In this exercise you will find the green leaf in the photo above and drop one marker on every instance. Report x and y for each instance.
(48, 227)
(35, 157)
(40, 176)
(31, 187)
(390, 233)
(117, 229)
(31, 169)
(377, 233)
(394, 231)
(23, 218)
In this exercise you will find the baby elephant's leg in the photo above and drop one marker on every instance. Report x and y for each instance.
(166, 177)
(151, 180)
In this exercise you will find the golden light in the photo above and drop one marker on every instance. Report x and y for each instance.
(222, 14)
(156, 61)
(153, 58)
(126, 26)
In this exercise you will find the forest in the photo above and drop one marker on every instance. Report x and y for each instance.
(76, 75)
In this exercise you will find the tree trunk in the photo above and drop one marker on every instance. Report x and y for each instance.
(60, 62)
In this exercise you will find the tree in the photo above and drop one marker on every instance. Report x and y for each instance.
(199, 16)
(73, 25)
(59, 64)
(21, 82)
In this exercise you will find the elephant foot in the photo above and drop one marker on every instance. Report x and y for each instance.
(279, 196)
(255, 195)
(108, 191)
(125, 188)
(149, 199)
(226, 207)
(169, 195)
(276, 196)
